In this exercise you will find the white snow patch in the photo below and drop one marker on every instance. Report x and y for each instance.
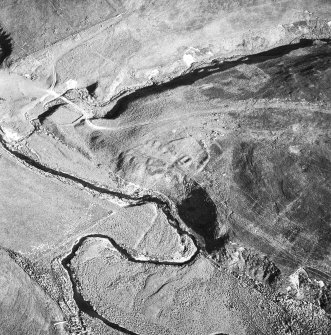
(320, 283)
(294, 277)
(152, 73)
(71, 84)
(10, 135)
(294, 149)
(188, 59)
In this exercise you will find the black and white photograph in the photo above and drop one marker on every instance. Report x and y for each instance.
(165, 167)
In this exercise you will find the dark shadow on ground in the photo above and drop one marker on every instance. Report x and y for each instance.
(199, 212)
(200, 73)
(6, 45)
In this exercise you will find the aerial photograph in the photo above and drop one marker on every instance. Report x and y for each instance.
(165, 167)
